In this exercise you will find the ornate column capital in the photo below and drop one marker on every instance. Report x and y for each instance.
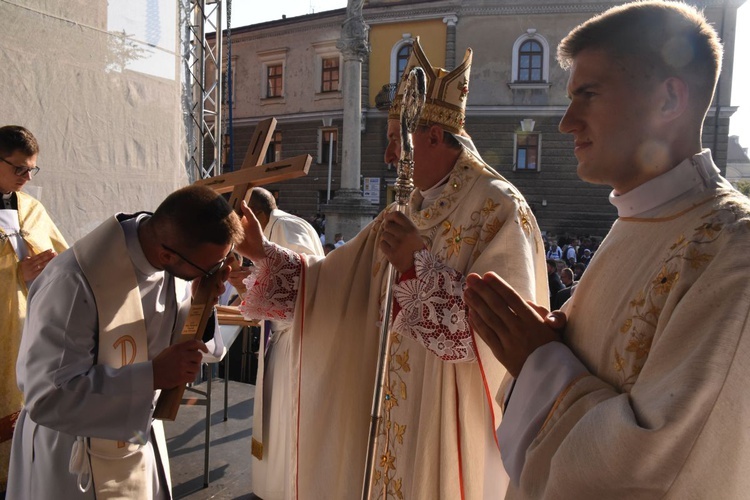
(450, 20)
(353, 42)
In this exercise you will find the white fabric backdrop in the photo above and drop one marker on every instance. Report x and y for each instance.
(99, 84)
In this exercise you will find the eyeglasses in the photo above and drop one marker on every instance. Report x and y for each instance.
(206, 273)
(21, 171)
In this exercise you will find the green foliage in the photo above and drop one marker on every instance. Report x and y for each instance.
(743, 187)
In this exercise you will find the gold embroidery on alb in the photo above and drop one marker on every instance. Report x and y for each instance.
(124, 341)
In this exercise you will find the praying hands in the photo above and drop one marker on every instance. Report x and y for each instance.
(512, 327)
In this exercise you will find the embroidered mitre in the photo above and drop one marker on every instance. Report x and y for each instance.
(447, 91)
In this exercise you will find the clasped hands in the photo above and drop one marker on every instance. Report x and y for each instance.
(512, 327)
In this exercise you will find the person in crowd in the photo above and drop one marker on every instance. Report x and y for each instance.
(641, 393)
(436, 433)
(29, 240)
(578, 269)
(554, 252)
(554, 282)
(99, 345)
(274, 399)
(568, 280)
(338, 240)
(585, 257)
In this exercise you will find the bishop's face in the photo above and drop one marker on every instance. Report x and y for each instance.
(9, 181)
(427, 171)
(611, 117)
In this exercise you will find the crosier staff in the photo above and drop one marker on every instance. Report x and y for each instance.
(411, 109)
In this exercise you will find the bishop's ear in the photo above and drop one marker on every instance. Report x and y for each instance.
(435, 134)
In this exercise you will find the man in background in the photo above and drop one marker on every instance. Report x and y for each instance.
(29, 240)
(272, 445)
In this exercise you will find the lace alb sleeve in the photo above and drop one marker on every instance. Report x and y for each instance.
(433, 310)
(272, 285)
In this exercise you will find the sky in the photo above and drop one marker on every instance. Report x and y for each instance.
(246, 12)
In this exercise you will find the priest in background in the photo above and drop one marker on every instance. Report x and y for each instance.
(29, 240)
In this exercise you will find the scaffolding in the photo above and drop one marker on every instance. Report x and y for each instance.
(203, 96)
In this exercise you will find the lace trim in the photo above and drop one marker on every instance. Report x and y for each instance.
(272, 285)
(433, 310)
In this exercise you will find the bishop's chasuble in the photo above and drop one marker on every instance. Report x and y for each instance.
(39, 233)
(660, 328)
(437, 434)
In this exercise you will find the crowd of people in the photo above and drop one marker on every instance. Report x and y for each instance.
(501, 383)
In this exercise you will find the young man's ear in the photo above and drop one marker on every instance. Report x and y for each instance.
(675, 98)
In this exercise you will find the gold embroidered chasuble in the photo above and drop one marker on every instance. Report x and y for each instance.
(663, 412)
(437, 434)
(40, 234)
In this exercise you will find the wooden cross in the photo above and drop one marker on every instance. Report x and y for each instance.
(252, 173)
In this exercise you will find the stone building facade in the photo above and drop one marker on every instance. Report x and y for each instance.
(516, 100)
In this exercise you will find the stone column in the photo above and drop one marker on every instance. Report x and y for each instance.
(450, 42)
(348, 212)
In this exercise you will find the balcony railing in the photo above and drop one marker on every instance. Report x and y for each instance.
(385, 97)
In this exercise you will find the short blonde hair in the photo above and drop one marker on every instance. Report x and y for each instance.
(663, 38)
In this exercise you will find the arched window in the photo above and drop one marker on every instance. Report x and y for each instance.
(530, 60)
(402, 57)
(530, 56)
(400, 53)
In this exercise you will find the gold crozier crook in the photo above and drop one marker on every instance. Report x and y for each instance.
(411, 108)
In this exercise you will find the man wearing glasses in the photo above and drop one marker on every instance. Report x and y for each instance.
(99, 345)
(28, 241)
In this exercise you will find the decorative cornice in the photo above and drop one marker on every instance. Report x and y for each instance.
(527, 111)
(281, 28)
(471, 111)
(393, 15)
(558, 8)
(408, 13)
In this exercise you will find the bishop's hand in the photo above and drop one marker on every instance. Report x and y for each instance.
(252, 246)
(399, 240)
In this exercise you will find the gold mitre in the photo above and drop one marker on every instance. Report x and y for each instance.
(445, 103)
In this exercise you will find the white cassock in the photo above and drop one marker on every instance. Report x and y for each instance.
(272, 416)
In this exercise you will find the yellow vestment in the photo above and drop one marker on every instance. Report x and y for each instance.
(40, 234)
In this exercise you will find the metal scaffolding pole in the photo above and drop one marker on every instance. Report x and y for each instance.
(203, 95)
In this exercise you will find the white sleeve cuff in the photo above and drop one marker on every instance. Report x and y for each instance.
(547, 372)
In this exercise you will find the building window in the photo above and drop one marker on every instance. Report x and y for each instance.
(400, 53)
(274, 80)
(402, 57)
(272, 68)
(327, 137)
(327, 64)
(527, 151)
(530, 62)
(273, 153)
(330, 75)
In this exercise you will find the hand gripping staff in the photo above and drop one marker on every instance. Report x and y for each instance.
(411, 109)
